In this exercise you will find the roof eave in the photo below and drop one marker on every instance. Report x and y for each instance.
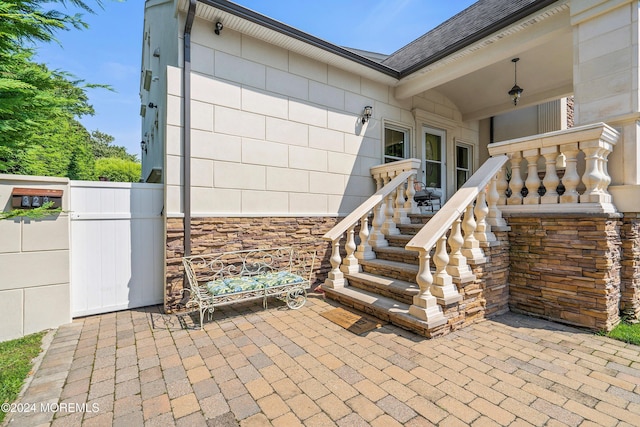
(269, 23)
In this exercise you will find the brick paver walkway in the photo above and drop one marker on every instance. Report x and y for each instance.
(254, 367)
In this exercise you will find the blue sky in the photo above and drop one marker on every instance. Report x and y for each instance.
(109, 51)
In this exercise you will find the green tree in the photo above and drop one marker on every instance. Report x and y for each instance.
(101, 144)
(39, 108)
(115, 169)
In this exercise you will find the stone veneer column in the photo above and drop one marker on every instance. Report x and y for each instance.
(566, 268)
(630, 271)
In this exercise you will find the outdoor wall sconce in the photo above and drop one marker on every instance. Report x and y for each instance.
(516, 90)
(366, 114)
(152, 105)
(143, 146)
(218, 28)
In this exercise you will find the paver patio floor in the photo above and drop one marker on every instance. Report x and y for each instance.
(281, 367)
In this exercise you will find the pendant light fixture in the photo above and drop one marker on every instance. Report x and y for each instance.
(516, 90)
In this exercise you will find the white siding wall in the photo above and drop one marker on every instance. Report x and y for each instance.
(274, 132)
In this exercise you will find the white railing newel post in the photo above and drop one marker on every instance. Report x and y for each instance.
(425, 306)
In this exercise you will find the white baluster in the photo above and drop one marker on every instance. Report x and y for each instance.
(533, 180)
(443, 287)
(350, 263)
(335, 277)
(551, 180)
(516, 182)
(458, 267)
(364, 250)
(389, 227)
(377, 238)
(605, 172)
(400, 215)
(571, 179)
(495, 214)
(502, 185)
(591, 177)
(425, 306)
(410, 205)
(483, 230)
(471, 246)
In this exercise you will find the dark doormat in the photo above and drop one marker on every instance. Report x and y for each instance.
(352, 321)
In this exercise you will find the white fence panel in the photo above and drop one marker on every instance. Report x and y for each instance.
(116, 246)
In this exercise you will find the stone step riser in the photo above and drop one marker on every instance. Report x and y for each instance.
(420, 218)
(397, 242)
(404, 296)
(407, 257)
(390, 272)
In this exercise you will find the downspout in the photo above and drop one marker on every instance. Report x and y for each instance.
(186, 127)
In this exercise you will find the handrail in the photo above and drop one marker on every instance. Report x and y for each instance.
(339, 229)
(433, 231)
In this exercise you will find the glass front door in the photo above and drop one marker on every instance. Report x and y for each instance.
(434, 159)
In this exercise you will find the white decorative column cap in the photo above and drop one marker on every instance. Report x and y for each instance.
(399, 166)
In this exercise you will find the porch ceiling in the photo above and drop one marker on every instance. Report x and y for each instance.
(478, 79)
(545, 73)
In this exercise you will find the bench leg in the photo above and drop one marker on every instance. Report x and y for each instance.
(209, 311)
(296, 298)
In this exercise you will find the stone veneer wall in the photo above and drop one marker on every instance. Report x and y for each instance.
(566, 268)
(216, 235)
(484, 297)
(630, 273)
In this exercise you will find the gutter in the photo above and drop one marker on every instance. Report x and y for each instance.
(186, 128)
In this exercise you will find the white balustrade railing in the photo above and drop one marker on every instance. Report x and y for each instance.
(391, 204)
(467, 218)
(573, 166)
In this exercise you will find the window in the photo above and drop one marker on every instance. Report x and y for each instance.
(396, 144)
(463, 164)
(434, 140)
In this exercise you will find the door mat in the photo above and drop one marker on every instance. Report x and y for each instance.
(351, 321)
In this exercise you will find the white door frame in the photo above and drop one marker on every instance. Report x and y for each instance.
(443, 157)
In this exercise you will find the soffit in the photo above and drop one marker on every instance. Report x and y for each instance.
(286, 37)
